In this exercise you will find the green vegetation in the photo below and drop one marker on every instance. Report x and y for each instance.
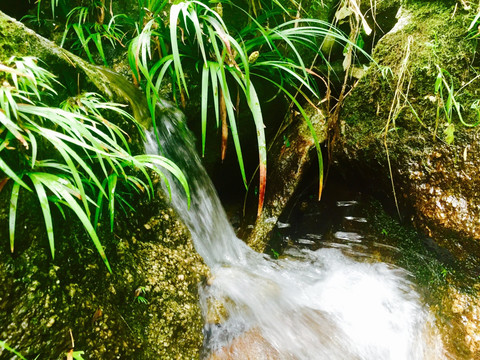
(140, 295)
(13, 351)
(87, 32)
(227, 61)
(70, 156)
(188, 45)
(449, 105)
(230, 64)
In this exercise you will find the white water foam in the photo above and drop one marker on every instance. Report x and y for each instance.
(310, 305)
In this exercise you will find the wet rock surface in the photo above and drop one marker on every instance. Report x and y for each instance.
(251, 345)
(146, 309)
(395, 126)
(290, 157)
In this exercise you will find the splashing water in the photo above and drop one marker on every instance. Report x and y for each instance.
(309, 305)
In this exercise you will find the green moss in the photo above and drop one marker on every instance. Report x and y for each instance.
(433, 42)
(42, 299)
(426, 170)
(447, 285)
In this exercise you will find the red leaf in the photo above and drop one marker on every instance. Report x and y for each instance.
(2, 183)
(223, 117)
(261, 192)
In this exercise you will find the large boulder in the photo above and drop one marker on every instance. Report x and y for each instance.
(147, 308)
(402, 132)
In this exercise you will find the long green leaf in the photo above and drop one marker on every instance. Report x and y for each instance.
(312, 132)
(13, 128)
(174, 13)
(33, 142)
(4, 345)
(12, 174)
(57, 186)
(62, 149)
(99, 206)
(155, 162)
(213, 66)
(233, 124)
(13, 213)
(83, 41)
(198, 32)
(112, 185)
(205, 74)
(97, 40)
(47, 215)
(254, 105)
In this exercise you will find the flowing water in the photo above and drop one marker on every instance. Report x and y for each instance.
(311, 304)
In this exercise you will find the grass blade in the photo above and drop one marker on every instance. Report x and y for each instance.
(112, 184)
(97, 40)
(33, 141)
(231, 118)
(4, 345)
(83, 41)
(12, 174)
(174, 13)
(155, 162)
(213, 76)
(205, 74)
(58, 187)
(312, 132)
(254, 105)
(47, 215)
(13, 213)
(13, 128)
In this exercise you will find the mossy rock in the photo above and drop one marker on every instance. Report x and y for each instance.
(147, 308)
(152, 256)
(391, 128)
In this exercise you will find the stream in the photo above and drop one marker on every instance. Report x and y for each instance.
(338, 301)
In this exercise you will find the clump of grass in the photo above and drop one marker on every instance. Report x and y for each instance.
(230, 66)
(87, 23)
(169, 39)
(447, 101)
(70, 156)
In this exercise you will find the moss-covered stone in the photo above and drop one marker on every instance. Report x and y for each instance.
(449, 287)
(435, 182)
(49, 306)
(42, 299)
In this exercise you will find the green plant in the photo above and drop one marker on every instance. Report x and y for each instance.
(447, 101)
(473, 29)
(89, 27)
(230, 65)
(198, 38)
(66, 155)
(4, 345)
(139, 295)
(53, 4)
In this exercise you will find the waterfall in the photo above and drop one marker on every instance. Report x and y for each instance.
(309, 305)
(211, 232)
